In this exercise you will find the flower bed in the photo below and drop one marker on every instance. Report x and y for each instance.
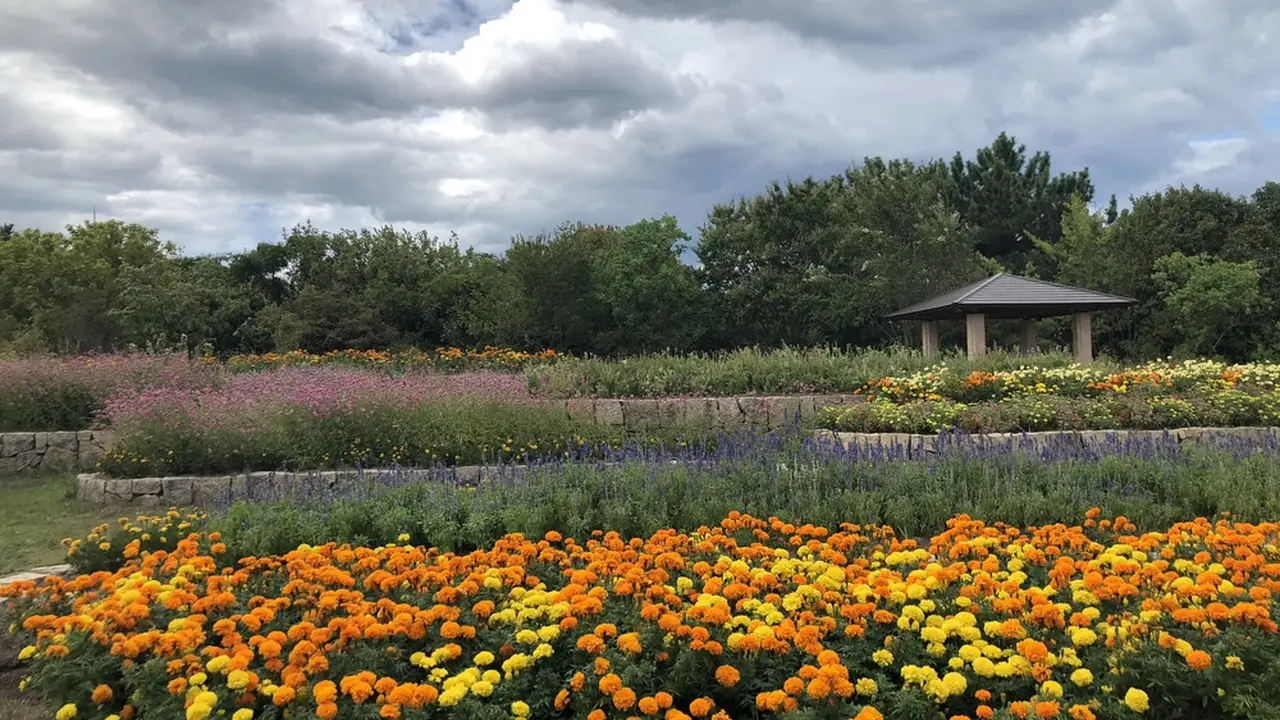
(67, 394)
(1154, 396)
(752, 371)
(1155, 480)
(41, 394)
(748, 618)
(442, 358)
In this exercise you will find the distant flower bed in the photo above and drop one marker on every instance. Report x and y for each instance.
(746, 618)
(1083, 381)
(69, 393)
(1154, 396)
(337, 416)
(72, 393)
(450, 358)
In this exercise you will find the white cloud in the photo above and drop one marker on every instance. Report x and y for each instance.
(222, 122)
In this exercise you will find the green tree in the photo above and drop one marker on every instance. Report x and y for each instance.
(184, 304)
(653, 299)
(1209, 300)
(763, 263)
(1009, 199)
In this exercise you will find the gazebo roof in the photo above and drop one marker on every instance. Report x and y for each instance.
(1011, 296)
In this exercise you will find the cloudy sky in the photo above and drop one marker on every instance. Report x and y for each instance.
(221, 121)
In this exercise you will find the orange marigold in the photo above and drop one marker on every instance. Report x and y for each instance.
(727, 675)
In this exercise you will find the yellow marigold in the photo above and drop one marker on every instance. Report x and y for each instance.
(1137, 700)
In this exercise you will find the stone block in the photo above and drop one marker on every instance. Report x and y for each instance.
(582, 411)
(469, 474)
(729, 414)
(672, 412)
(1254, 434)
(808, 409)
(699, 411)
(609, 412)
(118, 490)
(148, 486)
(41, 441)
(177, 490)
(13, 443)
(210, 491)
(238, 488)
(87, 455)
(149, 501)
(783, 411)
(923, 445)
(60, 459)
(105, 439)
(65, 440)
(755, 411)
(640, 415)
(91, 488)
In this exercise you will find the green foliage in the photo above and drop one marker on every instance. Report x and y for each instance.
(752, 372)
(637, 499)
(1207, 298)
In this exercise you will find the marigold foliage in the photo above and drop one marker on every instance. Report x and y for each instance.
(751, 618)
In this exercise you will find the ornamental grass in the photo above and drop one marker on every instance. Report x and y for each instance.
(747, 618)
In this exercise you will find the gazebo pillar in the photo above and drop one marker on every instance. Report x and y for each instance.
(1082, 337)
(929, 338)
(975, 326)
(1027, 342)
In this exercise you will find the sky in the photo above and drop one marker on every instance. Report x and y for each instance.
(220, 123)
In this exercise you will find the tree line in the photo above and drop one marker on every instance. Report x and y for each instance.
(805, 263)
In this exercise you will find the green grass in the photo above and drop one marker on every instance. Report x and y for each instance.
(39, 511)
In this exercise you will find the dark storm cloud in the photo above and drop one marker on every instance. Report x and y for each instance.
(232, 53)
(916, 33)
(582, 83)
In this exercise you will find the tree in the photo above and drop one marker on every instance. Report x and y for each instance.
(1008, 199)
(184, 304)
(556, 280)
(652, 298)
(1208, 298)
(763, 263)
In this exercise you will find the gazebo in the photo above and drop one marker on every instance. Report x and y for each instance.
(1006, 296)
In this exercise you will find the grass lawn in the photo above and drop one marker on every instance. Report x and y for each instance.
(38, 513)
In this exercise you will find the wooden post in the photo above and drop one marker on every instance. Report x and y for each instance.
(1082, 337)
(1028, 342)
(975, 326)
(929, 338)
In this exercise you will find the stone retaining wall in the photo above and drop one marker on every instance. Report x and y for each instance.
(208, 491)
(726, 413)
(215, 491)
(921, 446)
(79, 451)
(29, 452)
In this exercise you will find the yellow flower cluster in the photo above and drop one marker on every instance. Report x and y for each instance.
(750, 618)
(942, 382)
